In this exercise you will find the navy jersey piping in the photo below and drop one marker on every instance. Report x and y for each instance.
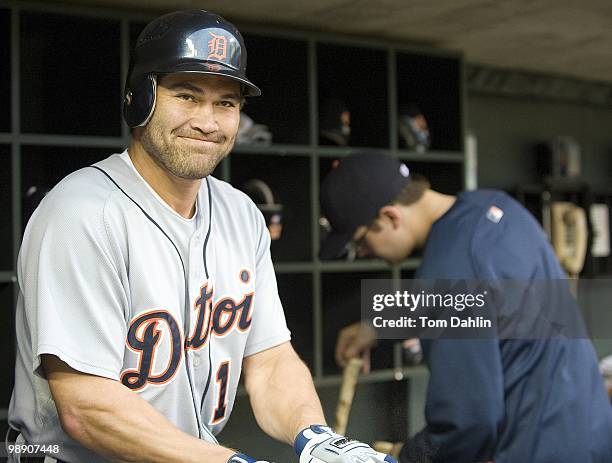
(206, 269)
(188, 313)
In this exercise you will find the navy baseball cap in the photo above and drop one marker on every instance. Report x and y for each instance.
(354, 192)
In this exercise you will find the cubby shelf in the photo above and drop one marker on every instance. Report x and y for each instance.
(242, 149)
(65, 140)
(8, 277)
(365, 265)
(379, 376)
(431, 156)
(343, 266)
(274, 150)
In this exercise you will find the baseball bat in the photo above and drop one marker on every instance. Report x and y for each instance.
(383, 447)
(347, 392)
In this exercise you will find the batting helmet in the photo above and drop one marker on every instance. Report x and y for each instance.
(262, 196)
(184, 41)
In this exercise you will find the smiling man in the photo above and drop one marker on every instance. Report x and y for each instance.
(188, 149)
(147, 287)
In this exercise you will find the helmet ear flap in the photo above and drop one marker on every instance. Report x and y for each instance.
(139, 101)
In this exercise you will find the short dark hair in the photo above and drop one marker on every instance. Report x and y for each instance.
(413, 191)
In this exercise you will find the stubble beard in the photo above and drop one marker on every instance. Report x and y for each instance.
(182, 161)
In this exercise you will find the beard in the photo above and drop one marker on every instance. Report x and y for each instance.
(182, 157)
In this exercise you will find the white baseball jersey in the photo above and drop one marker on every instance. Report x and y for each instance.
(117, 284)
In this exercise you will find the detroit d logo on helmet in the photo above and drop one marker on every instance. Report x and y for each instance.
(217, 46)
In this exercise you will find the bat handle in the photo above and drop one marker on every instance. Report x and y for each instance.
(347, 392)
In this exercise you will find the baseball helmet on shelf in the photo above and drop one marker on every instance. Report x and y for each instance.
(184, 41)
(263, 197)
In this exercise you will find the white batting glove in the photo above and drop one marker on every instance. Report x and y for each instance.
(319, 444)
(242, 458)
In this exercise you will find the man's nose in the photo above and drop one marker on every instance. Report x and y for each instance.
(204, 119)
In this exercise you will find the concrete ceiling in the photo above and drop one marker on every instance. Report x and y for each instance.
(572, 38)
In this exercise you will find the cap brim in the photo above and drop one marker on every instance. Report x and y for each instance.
(250, 89)
(334, 244)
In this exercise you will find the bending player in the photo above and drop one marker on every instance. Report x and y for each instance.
(147, 287)
(508, 400)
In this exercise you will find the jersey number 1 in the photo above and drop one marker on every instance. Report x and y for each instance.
(222, 381)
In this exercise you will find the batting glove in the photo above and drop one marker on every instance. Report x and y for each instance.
(242, 458)
(319, 444)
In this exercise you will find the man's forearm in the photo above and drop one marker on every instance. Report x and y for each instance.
(282, 393)
(111, 420)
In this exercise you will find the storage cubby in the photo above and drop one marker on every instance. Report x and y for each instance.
(358, 78)
(537, 198)
(600, 266)
(433, 83)
(326, 165)
(47, 165)
(242, 432)
(444, 177)
(6, 230)
(69, 75)
(5, 70)
(389, 399)
(408, 274)
(341, 296)
(218, 172)
(279, 67)
(294, 290)
(289, 179)
(7, 341)
(531, 197)
(4, 426)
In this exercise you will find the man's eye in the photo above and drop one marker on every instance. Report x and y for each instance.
(227, 104)
(185, 96)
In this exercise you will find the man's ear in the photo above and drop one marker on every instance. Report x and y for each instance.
(392, 213)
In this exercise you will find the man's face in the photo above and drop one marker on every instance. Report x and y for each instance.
(382, 240)
(194, 124)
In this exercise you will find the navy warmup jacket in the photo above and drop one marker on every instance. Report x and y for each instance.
(511, 401)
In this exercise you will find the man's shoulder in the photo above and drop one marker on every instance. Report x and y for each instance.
(508, 240)
(472, 226)
(485, 197)
(463, 218)
(487, 211)
(226, 189)
(87, 185)
(230, 197)
(78, 197)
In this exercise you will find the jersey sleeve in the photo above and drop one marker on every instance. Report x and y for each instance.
(73, 295)
(269, 327)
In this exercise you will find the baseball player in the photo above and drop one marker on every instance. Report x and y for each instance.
(510, 400)
(147, 288)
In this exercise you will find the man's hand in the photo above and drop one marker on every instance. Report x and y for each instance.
(355, 340)
(319, 444)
